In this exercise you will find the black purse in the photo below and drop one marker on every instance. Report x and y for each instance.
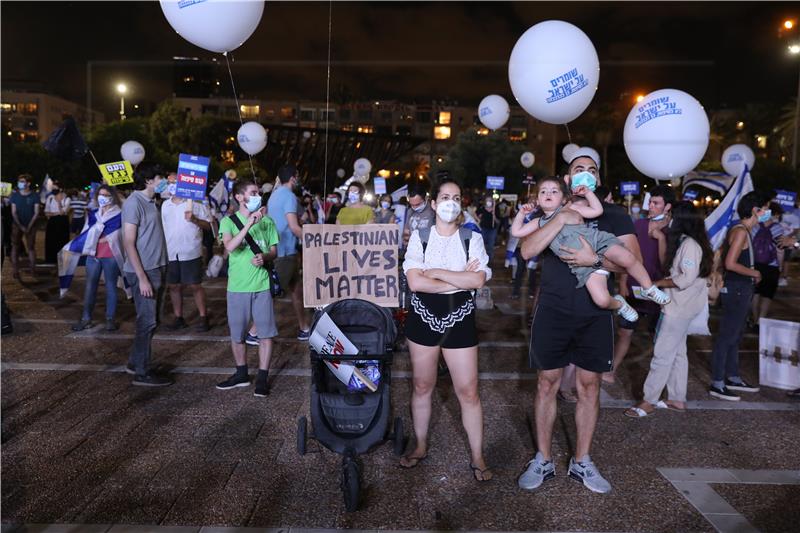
(274, 283)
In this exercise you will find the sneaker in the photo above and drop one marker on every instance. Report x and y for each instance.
(85, 323)
(203, 326)
(152, 380)
(722, 394)
(111, 325)
(130, 369)
(262, 390)
(741, 386)
(304, 334)
(586, 472)
(252, 340)
(537, 472)
(626, 311)
(179, 323)
(783, 282)
(657, 295)
(233, 382)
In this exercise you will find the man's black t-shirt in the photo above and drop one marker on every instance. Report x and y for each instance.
(557, 289)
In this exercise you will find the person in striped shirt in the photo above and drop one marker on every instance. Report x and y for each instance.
(78, 204)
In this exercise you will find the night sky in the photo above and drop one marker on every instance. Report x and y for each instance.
(723, 53)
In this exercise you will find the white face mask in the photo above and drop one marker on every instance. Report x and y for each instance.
(448, 210)
(171, 188)
(386, 205)
(103, 201)
(635, 209)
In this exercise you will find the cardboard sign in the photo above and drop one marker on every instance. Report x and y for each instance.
(192, 177)
(342, 262)
(785, 198)
(380, 185)
(5, 189)
(496, 183)
(690, 194)
(118, 173)
(629, 187)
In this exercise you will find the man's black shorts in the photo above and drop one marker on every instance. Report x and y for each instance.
(185, 272)
(559, 338)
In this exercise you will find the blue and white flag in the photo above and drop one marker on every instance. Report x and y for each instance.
(399, 193)
(714, 181)
(219, 197)
(470, 222)
(724, 216)
(74, 253)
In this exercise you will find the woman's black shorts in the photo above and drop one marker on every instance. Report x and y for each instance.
(446, 320)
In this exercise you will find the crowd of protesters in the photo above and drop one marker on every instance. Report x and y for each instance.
(656, 260)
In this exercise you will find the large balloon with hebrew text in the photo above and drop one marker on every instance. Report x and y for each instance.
(554, 71)
(132, 151)
(735, 157)
(215, 25)
(493, 111)
(666, 134)
(252, 137)
(362, 166)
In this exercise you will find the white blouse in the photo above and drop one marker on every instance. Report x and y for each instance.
(446, 253)
(54, 207)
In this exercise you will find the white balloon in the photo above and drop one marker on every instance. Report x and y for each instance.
(364, 178)
(666, 134)
(132, 151)
(362, 166)
(527, 159)
(554, 71)
(306, 134)
(215, 25)
(568, 150)
(493, 111)
(252, 137)
(735, 156)
(340, 172)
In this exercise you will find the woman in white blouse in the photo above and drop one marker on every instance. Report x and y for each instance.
(444, 266)
(56, 234)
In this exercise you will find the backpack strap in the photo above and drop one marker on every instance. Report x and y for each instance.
(424, 235)
(465, 234)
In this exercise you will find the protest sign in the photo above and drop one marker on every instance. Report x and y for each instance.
(496, 183)
(117, 173)
(192, 177)
(5, 188)
(380, 185)
(350, 262)
(785, 198)
(328, 339)
(629, 187)
(690, 194)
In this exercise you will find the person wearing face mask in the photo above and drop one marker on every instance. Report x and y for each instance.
(309, 214)
(282, 209)
(333, 205)
(385, 214)
(636, 211)
(488, 222)
(420, 214)
(251, 239)
(355, 212)
(25, 212)
(184, 222)
(101, 241)
(145, 267)
(56, 235)
(172, 185)
(740, 277)
(444, 264)
(767, 259)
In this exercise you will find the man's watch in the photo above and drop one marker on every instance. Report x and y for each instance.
(598, 263)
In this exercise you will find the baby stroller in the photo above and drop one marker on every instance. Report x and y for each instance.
(346, 421)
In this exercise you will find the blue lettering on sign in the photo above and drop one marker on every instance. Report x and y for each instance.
(689, 194)
(786, 198)
(566, 85)
(629, 187)
(658, 107)
(187, 3)
(485, 111)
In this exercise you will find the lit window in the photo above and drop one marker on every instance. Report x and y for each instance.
(364, 129)
(5, 108)
(761, 141)
(249, 111)
(444, 117)
(740, 125)
(287, 113)
(441, 132)
(227, 156)
(348, 127)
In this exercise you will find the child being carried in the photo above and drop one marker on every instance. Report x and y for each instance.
(554, 197)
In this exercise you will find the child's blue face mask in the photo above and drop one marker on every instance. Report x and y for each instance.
(585, 179)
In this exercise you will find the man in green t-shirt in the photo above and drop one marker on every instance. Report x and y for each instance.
(249, 298)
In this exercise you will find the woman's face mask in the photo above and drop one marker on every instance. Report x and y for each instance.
(352, 197)
(103, 201)
(765, 216)
(636, 210)
(448, 210)
(386, 205)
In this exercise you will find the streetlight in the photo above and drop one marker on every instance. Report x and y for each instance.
(121, 90)
(639, 98)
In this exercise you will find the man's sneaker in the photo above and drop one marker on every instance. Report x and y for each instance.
(234, 381)
(626, 311)
(203, 326)
(252, 340)
(304, 334)
(152, 380)
(111, 325)
(723, 394)
(537, 472)
(657, 295)
(783, 282)
(586, 472)
(85, 323)
(741, 386)
(262, 390)
(179, 323)
(130, 369)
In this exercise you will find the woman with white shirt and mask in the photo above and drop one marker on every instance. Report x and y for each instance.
(444, 265)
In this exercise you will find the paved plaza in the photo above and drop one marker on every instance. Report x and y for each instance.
(81, 446)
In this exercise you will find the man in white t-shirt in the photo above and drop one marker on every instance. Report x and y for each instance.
(183, 230)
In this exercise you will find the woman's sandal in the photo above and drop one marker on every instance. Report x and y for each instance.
(481, 475)
(409, 461)
(637, 412)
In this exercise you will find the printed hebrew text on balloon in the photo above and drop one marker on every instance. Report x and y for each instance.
(735, 157)
(252, 137)
(214, 25)
(493, 111)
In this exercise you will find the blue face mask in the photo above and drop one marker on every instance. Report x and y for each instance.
(21, 185)
(162, 186)
(584, 178)
(353, 197)
(253, 203)
(766, 216)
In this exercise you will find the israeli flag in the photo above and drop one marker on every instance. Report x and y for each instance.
(724, 216)
(399, 193)
(714, 181)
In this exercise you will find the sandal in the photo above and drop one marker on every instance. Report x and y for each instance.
(409, 461)
(481, 475)
(566, 396)
(637, 412)
(669, 405)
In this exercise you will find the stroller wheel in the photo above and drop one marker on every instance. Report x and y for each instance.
(351, 484)
(398, 439)
(301, 435)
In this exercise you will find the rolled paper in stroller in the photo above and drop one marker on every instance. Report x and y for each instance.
(328, 339)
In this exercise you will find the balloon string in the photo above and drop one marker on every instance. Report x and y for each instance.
(238, 108)
(569, 137)
(327, 99)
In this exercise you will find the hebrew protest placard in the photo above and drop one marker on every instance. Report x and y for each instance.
(341, 262)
